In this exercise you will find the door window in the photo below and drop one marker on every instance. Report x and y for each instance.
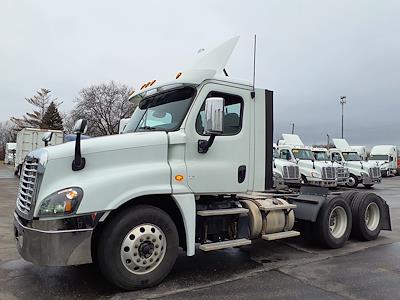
(233, 112)
(336, 156)
(285, 154)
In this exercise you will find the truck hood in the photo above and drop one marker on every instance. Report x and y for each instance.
(279, 163)
(380, 163)
(360, 165)
(308, 164)
(107, 144)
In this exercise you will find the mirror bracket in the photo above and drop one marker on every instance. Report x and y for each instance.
(204, 145)
(79, 162)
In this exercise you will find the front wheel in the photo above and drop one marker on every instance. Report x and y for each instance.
(138, 247)
(353, 181)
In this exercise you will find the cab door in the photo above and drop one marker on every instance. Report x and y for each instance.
(225, 167)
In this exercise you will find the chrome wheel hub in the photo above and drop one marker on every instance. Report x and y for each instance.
(143, 249)
(372, 216)
(338, 222)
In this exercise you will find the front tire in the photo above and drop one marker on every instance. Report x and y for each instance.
(353, 181)
(138, 247)
(334, 221)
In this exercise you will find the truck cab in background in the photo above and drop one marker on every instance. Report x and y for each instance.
(386, 158)
(361, 172)
(285, 172)
(318, 173)
(342, 173)
(361, 151)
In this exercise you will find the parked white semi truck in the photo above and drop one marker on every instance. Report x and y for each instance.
(361, 172)
(285, 173)
(9, 153)
(322, 155)
(29, 139)
(318, 173)
(127, 202)
(361, 151)
(386, 158)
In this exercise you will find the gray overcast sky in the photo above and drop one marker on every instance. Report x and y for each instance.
(309, 52)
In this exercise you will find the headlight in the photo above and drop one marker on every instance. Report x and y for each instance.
(363, 174)
(64, 202)
(277, 175)
(315, 175)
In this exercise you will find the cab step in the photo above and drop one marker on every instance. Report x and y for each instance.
(280, 235)
(221, 212)
(224, 244)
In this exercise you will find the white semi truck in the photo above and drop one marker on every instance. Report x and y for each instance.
(322, 155)
(361, 172)
(386, 158)
(9, 153)
(285, 173)
(127, 202)
(29, 139)
(319, 173)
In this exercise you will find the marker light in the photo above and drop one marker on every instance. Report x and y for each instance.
(178, 75)
(179, 177)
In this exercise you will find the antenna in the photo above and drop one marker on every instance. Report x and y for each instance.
(253, 93)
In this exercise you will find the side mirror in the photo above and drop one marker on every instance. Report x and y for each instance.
(47, 138)
(80, 126)
(79, 162)
(214, 115)
(214, 122)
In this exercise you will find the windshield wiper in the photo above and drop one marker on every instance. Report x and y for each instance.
(148, 128)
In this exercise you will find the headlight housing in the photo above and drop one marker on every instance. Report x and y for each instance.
(62, 203)
(277, 175)
(315, 175)
(363, 174)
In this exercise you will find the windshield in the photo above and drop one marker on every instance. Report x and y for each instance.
(321, 155)
(379, 157)
(351, 156)
(276, 153)
(303, 154)
(164, 111)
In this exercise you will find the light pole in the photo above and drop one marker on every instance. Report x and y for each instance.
(342, 102)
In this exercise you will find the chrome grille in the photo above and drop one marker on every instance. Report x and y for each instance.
(328, 173)
(27, 186)
(375, 172)
(341, 173)
(291, 172)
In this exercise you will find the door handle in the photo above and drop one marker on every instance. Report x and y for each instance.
(241, 173)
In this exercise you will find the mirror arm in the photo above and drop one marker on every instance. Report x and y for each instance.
(79, 162)
(203, 145)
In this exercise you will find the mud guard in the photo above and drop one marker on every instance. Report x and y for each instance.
(309, 202)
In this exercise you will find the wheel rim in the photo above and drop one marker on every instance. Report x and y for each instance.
(351, 181)
(143, 249)
(338, 222)
(372, 216)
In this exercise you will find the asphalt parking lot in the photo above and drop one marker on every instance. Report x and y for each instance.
(288, 269)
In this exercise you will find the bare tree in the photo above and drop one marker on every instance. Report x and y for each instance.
(103, 105)
(41, 102)
(8, 134)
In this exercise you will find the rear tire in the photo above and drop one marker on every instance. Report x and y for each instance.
(367, 211)
(353, 181)
(349, 196)
(138, 247)
(334, 221)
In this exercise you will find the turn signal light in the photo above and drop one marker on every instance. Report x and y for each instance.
(179, 177)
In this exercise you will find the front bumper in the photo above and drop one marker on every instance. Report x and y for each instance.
(55, 242)
(369, 180)
(324, 183)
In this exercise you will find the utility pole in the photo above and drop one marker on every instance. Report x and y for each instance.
(342, 102)
(327, 142)
(292, 127)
